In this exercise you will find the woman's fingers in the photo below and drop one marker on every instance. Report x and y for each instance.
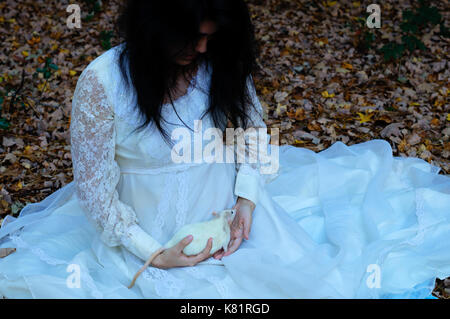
(208, 247)
(247, 227)
(184, 242)
(218, 254)
(235, 243)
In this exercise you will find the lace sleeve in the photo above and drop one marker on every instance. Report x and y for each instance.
(251, 152)
(96, 173)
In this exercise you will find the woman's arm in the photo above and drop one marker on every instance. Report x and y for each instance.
(247, 177)
(248, 174)
(96, 173)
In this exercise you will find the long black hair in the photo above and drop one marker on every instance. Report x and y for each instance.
(155, 32)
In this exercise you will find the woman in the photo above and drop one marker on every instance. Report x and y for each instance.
(348, 222)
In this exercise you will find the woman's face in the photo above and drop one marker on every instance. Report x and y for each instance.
(206, 30)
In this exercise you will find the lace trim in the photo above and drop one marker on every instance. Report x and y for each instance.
(218, 283)
(420, 212)
(159, 170)
(420, 235)
(19, 242)
(163, 206)
(166, 285)
(181, 200)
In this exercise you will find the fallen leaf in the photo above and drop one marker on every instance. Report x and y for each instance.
(6, 251)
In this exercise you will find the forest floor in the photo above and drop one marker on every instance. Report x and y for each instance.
(322, 78)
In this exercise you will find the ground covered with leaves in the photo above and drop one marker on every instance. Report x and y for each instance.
(324, 76)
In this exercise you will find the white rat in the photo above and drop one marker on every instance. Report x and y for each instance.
(218, 228)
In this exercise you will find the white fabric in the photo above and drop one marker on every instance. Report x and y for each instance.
(320, 226)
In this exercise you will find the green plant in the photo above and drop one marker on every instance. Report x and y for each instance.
(105, 39)
(418, 20)
(413, 23)
(364, 38)
(392, 51)
(4, 124)
(94, 8)
(47, 69)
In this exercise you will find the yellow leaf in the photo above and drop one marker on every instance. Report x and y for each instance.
(356, 4)
(34, 40)
(357, 19)
(435, 122)
(399, 99)
(414, 104)
(27, 150)
(54, 47)
(322, 41)
(327, 95)
(19, 185)
(448, 117)
(25, 53)
(42, 87)
(72, 72)
(347, 66)
(365, 117)
(265, 90)
(438, 103)
(2, 19)
(281, 109)
(285, 52)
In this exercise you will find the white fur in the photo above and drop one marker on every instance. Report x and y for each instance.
(218, 228)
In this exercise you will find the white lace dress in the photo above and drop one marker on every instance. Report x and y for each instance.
(347, 222)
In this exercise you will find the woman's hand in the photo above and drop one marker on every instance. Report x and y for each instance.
(174, 256)
(240, 227)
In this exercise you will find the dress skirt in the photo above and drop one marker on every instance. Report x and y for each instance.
(346, 222)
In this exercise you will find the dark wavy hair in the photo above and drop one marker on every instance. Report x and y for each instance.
(155, 32)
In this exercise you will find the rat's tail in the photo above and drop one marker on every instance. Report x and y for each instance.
(147, 263)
